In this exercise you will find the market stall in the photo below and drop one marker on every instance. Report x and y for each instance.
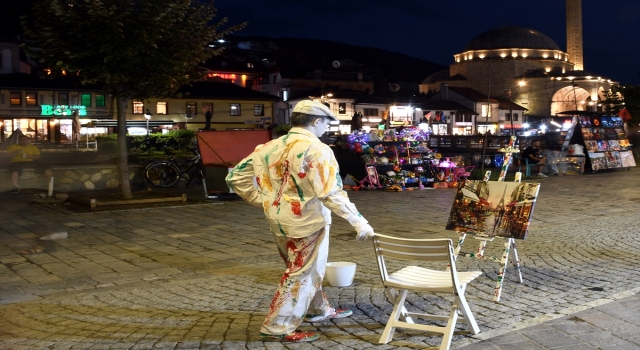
(221, 151)
(599, 142)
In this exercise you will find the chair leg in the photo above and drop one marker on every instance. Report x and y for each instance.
(450, 327)
(392, 294)
(469, 319)
(387, 335)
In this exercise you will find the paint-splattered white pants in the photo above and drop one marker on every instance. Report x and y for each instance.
(300, 290)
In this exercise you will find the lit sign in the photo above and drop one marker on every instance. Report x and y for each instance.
(63, 110)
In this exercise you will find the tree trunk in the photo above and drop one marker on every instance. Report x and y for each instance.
(123, 161)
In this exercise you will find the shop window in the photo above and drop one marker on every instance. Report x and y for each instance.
(463, 118)
(234, 109)
(515, 117)
(138, 107)
(100, 101)
(16, 98)
(192, 108)
(342, 108)
(85, 100)
(32, 98)
(370, 112)
(207, 107)
(161, 108)
(258, 110)
(63, 99)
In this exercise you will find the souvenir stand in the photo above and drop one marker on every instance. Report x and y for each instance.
(511, 214)
(221, 151)
(601, 140)
(401, 158)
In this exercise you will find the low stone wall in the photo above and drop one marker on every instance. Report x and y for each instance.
(79, 178)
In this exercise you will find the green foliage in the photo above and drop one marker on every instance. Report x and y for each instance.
(282, 129)
(107, 143)
(177, 142)
(136, 49)
(621, 96)
(139, 49)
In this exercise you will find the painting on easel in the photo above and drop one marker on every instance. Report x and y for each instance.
(494, 208)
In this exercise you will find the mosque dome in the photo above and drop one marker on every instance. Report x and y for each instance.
(510, 37)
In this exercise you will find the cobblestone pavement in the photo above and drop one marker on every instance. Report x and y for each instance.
(202, 276)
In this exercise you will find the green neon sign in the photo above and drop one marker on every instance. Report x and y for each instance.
(63, 110)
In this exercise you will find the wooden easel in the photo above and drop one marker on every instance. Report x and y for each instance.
(509, 244)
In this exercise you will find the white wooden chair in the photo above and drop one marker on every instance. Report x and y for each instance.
(420, 279)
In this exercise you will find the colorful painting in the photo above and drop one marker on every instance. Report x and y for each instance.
(621, 134)
(624, 143)
(627, 159)
(614, 145)
(587, 134)
(585, 122)
(599, 133)
(493, 208)
(613, 159)
(611, 134)
(603, 145)
(598, 161)
(592, 146)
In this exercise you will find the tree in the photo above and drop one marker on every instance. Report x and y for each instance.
(137, 48)
(621, 96)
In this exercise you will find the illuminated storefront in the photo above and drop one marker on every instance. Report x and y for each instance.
(55, 124)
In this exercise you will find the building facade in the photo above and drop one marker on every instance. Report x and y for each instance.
(528, 68)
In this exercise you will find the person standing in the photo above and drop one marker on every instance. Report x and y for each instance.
(533, 156)
(25, 155)
(207, 118)
(295, 179)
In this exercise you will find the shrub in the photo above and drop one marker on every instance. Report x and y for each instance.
(282, 129)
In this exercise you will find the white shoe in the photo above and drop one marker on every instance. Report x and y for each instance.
(542, 175)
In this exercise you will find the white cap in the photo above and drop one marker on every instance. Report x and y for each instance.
(314, 108)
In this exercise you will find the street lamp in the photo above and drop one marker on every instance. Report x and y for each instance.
(521, 83)
(147, 116)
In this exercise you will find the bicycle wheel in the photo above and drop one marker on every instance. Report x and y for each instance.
(162, 174)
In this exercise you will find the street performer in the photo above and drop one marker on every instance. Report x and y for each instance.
(298, 185)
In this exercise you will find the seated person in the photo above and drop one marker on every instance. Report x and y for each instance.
(533, 156)
(552, 154)
(25, 156)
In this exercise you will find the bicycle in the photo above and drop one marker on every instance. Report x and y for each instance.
(166, 173)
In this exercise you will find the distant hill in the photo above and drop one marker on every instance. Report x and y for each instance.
(384, 66)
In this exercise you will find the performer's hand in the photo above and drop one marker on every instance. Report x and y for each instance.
(364, 232)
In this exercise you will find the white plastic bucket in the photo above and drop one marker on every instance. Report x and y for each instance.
(341, 273)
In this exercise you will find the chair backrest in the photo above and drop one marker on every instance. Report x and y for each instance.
(439, 249)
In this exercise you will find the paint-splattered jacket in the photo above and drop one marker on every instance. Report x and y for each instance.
(297, 183)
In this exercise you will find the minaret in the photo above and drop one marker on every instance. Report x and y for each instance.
(574, 33)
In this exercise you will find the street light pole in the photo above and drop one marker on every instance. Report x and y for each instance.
(510, 110)
(147, 116)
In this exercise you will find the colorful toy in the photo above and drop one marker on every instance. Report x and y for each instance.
(371, 179)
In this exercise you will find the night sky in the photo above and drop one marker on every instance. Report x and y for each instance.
(436, 30)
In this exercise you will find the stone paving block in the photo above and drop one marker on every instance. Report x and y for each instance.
(602, 320)
(551, 338)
